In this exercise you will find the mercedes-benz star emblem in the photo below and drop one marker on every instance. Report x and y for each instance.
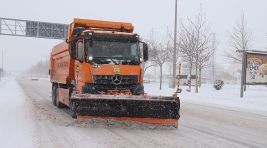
(116, 80)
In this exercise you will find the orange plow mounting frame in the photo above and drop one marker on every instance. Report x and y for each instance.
(142, 120)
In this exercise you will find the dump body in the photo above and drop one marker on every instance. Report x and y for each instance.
(98, 73)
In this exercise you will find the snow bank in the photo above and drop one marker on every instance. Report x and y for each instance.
(16, 123)
(3, 81)
(254, 101)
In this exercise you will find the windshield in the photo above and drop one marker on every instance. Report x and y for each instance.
(119, 51)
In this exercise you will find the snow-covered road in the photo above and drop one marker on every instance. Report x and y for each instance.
(200, 125)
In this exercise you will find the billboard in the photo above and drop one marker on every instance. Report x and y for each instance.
(256, 68)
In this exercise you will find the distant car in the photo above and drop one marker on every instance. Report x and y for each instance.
(218, 84)
(147, 81)
(34, 79)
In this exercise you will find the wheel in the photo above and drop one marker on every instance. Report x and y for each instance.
(58, 103)
(54, 89)
(73, 108)
(72, 105)
(176, 126)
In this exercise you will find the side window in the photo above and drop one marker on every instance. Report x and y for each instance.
(80, 51)
(133, 49)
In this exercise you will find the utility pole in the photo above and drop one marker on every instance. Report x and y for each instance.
(3, 62)
(174, 49)
(213, 58)
(243, 76)
(2, 67)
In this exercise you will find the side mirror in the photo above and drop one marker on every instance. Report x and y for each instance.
(80, 51)
(145, 52)
(73, 49)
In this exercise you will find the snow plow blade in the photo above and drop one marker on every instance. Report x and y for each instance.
(147, 109)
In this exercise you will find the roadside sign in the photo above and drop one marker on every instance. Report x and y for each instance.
(256, 68)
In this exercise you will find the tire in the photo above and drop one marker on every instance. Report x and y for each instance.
(176, 126)
(72, 105)
(58, 103)
(73, 108)
(54, 89)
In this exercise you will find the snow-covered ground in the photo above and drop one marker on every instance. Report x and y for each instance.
(16, 122)
(28, 119)
(199, 126)
(255, 98)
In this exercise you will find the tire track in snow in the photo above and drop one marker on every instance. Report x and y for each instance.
(212, 134)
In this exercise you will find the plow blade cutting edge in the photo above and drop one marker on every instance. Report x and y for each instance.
(148, 109)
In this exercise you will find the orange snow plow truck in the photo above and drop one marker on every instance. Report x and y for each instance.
(97, 73)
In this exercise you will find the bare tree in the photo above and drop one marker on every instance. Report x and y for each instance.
(186, 48)
(204, 61)
(147, 65)
(205, 56)
(169, 42)
(201, 44)
(240, 39)
(40, 69)
(158, 52)
(195, 44)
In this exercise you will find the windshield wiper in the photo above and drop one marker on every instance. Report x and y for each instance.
(101, 59)
(113, 61)
(116, 60)
(133, 61)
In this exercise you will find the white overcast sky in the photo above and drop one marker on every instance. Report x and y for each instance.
(20, 53)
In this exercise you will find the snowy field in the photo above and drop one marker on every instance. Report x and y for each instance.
(255, 98)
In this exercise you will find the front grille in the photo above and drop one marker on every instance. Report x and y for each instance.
(109, 79)
(104, 83)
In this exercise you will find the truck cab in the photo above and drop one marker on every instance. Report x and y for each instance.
(108, 62)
